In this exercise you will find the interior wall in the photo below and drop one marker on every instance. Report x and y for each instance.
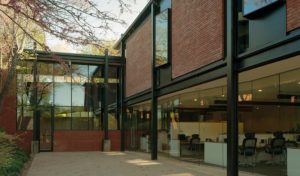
(271, 119)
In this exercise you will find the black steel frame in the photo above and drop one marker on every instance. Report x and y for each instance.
(154, 10)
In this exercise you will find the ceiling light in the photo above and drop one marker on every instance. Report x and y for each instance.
(259, 90)
(299, 82)
(195, 99)
(202, 103)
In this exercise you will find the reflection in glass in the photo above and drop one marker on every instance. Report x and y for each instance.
(266, 89)
(251, 6)
(192, 123)
(24, 118)
(62, 94)
(62, 118)
(77, 88)
(45, 84)
(94, 121)
(45, 129)
(112, 121)
(272, 110)
(95, 72)
(138, 127)
(80, 118)
(80, 74)
(161, 39)
(25, 83)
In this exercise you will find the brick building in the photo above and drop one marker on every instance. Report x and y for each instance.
(208, 82)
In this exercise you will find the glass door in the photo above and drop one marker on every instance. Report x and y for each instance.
(46, 129)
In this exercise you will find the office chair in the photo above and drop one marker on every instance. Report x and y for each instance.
(181, 137)
(276, 148)
(248, 150)
(194, 142)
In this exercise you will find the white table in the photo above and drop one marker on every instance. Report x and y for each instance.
(293, 161)
(215, 153)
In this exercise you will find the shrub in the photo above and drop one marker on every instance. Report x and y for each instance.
(12, 158)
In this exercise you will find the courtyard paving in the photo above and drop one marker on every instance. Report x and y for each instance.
(115, 164)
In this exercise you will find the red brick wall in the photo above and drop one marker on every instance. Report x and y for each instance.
(197, 34)
(8, 121)
(84, 140)
(138, 60)
(115, 140)
(77, 141)
(293, 14)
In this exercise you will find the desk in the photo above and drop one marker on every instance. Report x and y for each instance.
(196, 149)
(293, 161)
(215, 153)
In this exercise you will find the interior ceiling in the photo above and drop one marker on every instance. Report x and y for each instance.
(191, 97)
(254, 74)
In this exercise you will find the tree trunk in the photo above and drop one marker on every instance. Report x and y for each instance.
(10, 77)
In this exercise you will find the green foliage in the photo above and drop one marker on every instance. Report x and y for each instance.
(91, 49)
(12, 158)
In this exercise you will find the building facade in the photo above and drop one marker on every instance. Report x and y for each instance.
(203, 81)
(65, 94)
(212, 60)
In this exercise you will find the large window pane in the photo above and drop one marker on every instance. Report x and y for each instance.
(24, 83)
(95, 74)
(192, 124)
(266, 89)
(45, 92)
(95, 121)
(24, 118)
(268, 108)
(161, 39)
(62, 86)
(80, 118)
(62, 118)
(62, 94)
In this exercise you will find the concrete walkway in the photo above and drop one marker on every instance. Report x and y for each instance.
(115, 164)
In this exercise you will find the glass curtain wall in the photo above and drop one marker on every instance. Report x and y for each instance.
(24, 96)
(192, 124)
(269, 144)
(137, 127)
(70, 93)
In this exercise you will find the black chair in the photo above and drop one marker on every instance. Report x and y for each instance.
(248, 150)
(181, 137)
(194, 142)
(276, 148)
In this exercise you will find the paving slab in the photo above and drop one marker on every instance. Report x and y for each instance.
(116, 164)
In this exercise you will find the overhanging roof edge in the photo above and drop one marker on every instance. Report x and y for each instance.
(138, 20)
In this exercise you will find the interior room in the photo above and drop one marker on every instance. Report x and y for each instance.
(192, 122)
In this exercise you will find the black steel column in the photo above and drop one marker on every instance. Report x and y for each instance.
(105, 96)
(121, 95)
(154, 86)
(232, 87)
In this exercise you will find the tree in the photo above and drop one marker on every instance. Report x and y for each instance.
(25, 21)
(92, 49)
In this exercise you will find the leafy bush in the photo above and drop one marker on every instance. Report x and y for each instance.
(12, 158)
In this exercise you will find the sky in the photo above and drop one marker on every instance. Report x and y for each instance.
(107, 5)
